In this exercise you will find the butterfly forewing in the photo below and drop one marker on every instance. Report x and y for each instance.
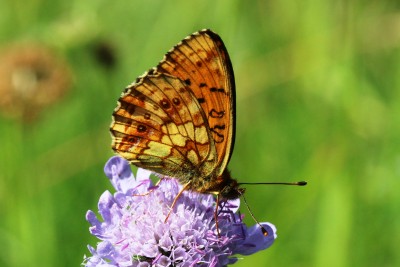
(178, 118)
(202, 61)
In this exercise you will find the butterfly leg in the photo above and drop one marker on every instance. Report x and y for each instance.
(145, 194)
(151, 190)
(216, 215)
(176, 199)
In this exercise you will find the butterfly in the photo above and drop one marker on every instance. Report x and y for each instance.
(178, 118)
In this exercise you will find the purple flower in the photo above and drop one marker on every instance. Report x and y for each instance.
(132, 231)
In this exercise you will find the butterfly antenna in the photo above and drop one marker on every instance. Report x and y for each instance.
(300, 183)
(263, 230)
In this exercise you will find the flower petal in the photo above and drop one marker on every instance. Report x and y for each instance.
(117, 166)
(255, 240)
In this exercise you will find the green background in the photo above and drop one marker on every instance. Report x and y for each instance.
(317, 99)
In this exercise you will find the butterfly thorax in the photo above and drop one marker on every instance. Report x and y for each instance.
(224, 185)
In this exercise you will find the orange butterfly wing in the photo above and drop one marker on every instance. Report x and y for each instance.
(178, 118)
(202, 61)
(159, 125)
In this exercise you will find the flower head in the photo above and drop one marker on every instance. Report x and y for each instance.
(32, 77)
(133, 231)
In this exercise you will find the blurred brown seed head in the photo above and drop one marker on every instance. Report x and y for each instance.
(31, 78)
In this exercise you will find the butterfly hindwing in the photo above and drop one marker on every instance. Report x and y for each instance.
(159, 125)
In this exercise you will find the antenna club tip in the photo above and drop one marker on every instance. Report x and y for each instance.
(264, 231)
(301, 183)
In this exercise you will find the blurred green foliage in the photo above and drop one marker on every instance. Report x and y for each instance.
(318, 87)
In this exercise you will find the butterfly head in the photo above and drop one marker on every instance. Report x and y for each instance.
(229, 188)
